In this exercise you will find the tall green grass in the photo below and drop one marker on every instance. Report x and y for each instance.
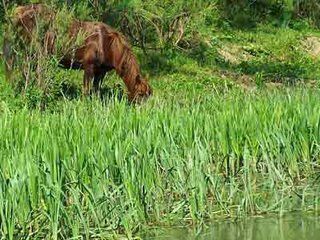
(98, 169)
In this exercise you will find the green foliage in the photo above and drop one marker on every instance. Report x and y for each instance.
(247, 13)
(154, 24)
(158, 15)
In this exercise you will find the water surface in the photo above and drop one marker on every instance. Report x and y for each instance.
(290, 227)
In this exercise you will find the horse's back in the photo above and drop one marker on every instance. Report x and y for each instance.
(89, 28)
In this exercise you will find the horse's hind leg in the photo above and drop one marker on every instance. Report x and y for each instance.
(88, 76)
(49, 42)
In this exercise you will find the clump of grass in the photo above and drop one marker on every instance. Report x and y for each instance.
(95, 170)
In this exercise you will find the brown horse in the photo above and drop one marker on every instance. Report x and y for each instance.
(104, 49)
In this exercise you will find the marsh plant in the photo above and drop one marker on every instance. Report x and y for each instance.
(95, 170)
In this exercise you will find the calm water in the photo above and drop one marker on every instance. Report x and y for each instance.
(292, 227)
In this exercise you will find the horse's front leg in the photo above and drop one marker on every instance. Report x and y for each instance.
(97, 82)
(87, 79)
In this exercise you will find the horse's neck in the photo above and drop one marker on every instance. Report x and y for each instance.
(130, 78)
(129, 70)
(124, 62)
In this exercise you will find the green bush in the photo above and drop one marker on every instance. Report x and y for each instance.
(246, 13)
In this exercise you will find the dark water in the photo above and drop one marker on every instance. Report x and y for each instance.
(291, 227)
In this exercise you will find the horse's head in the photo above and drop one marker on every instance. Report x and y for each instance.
(142, 90)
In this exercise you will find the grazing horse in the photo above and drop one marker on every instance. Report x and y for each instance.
(103, 49)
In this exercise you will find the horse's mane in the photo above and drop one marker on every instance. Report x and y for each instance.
(123, 58)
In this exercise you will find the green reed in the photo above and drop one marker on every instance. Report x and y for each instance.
(98, 169)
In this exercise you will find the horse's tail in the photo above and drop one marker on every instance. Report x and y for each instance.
(8, 57)
(7, 50)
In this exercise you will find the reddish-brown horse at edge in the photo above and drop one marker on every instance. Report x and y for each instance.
(104, 49)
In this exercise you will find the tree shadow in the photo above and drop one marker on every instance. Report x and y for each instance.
(114, 93)
(273, 71)
(276, 71)
(158, 62)
(247, 14)
(71, 91)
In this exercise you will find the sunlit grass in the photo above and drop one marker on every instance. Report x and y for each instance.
(95, 169)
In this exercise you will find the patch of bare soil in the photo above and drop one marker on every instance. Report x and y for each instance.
(242, 80)
(312, 46)
(234, 54)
